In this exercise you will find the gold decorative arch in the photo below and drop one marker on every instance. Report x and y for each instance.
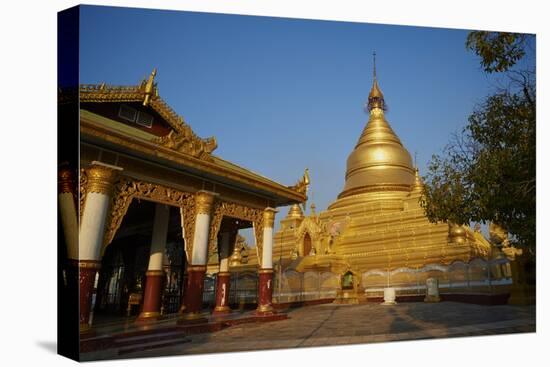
(126, 189)
(314, 229)
(82, 190)
(234, 210)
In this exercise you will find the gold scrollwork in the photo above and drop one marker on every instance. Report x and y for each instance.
(127, 189)
(82, 190)
(234, 210)
(181, 138)
(188, 215)
(204, 202)
(259, 232)
(215, 224)
(101, 179)
(188, 144)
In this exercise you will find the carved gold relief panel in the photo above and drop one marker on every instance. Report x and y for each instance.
(126, 189)
(234, 210)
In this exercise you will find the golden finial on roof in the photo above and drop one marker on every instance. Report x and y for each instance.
(313, 209)
(376, 97)
(302, 186)
(150, 87)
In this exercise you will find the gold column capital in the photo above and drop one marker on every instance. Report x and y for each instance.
(269, 217)
(65, 180)
(204, 201)
(102, 177)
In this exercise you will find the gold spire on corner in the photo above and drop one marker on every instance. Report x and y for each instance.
(312, 212)
(295, 212)
(150, 87)
(418, 184)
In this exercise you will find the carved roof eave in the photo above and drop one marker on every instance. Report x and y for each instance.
(153, 149)
(181, 138)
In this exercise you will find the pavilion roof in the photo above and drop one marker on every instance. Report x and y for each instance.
(181, 146)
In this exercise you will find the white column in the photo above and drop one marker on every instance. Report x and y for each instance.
(70, 224)
(68, 212)
(101, 178)
(267, 245)
(204, 201)
(158, 239)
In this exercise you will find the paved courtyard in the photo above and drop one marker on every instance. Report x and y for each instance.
(368, 323)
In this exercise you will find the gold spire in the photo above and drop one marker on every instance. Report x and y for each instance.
(376, 97)
(379, 161)
(312, 212)
(295, 212)
(418, 184)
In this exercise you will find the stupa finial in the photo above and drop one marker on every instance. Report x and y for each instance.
(374, 65)
(376, 98)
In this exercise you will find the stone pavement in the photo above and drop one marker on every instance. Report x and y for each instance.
(351, 324)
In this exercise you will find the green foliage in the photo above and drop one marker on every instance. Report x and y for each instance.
(487, 172)
(499, 51)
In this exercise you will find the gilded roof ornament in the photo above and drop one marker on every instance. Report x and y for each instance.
(150, 87)
(181, 138)
(302, 186)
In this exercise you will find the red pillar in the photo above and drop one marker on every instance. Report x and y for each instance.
(222, 293)
(193, 292)
(152, 295)
(87, 271)
(265, 290)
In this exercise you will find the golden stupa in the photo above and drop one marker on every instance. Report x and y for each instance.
(376, 232)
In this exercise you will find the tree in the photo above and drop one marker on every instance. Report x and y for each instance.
(487, 171)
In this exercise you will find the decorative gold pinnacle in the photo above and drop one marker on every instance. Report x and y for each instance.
(376, 97)
(149, 87)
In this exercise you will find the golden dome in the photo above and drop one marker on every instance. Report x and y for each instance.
(379, 161)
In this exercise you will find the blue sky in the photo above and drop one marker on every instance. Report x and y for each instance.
(284, 94)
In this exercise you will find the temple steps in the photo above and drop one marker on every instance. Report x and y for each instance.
(133, 340)
(148, 342)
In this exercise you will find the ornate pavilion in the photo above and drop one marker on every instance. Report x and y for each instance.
(149, 203)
